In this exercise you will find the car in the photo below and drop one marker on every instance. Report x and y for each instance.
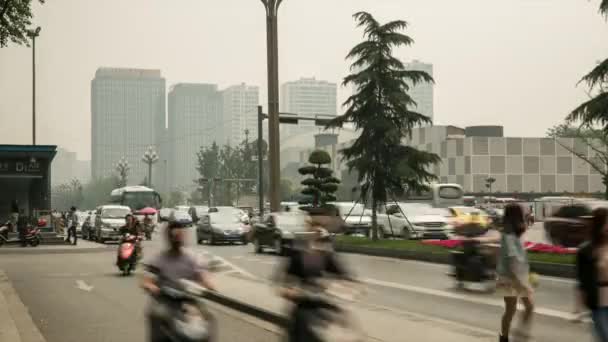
(198, 211)
(164, 214)
(182, 208)
(108, 220)
(82, 216)
(469, 215)
(278, 231)
(181, 216)
(356, 219)
(221, 227)
(415, 221)
(88, 226)
(570, 225)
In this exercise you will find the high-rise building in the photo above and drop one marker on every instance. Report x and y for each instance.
(422, 93)
(66, 167)
(195, 121)
(240, 113)
(127, 116)
(307, 97)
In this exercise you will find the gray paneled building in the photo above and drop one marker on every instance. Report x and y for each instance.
(542, 165)
(127, 116)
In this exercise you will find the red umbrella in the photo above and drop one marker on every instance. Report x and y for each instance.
(147, 211)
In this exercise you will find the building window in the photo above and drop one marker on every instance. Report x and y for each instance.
(564, 165)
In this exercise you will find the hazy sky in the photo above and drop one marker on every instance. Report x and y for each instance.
(514, 63)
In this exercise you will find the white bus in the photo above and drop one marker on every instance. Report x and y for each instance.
(440, 195)
(136, 197)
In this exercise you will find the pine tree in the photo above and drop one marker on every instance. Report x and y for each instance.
(385, 114)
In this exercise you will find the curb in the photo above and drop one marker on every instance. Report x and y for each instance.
(542, 268)
(24, 326)
(67, 250)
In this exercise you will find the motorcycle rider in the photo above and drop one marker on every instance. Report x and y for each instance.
(174, 264)
(308, 263)
(147, 224)
(132, 227)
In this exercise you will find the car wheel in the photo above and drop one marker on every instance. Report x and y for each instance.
(405, 233)
(278, 246)
(257, 247)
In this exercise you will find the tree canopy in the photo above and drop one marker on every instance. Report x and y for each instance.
(384, 112)
(320, 186)
(16, 21)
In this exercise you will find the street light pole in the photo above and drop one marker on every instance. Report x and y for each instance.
(150, 157)
(33, 34)
(272, 8)
(260, 161)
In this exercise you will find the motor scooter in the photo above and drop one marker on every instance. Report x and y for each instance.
(127, 256)
(32, 236)
(180, 312)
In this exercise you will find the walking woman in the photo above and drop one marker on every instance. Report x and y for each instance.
(513, 273)
(592, 273)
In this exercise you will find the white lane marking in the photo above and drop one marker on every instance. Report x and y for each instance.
(445, 294)
(237, 257)
(81, 285)
(233, 266)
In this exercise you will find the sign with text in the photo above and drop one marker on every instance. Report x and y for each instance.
(21, 167)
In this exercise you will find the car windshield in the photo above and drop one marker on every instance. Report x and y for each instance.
(291, 222)
(140, 200)
(115, 213)
(351, 209)
(223, 218)
(416, 209)
(181, 215)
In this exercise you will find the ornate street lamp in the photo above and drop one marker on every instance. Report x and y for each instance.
(150, 157)
(122, 167)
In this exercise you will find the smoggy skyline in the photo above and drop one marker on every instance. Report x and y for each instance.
(513, 63)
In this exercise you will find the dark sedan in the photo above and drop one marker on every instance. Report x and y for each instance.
(219, 227)
(570, 225)
(277, 231)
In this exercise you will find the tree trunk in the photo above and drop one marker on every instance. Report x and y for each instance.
(374, 220)
(605, 181)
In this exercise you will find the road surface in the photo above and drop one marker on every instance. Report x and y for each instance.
(76, 295)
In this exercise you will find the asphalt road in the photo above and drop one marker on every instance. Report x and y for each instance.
(80, 297)
(424, 288)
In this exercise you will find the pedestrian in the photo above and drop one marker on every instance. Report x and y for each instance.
(72, 224)
(592, 273)
(513, 272)
(14, 212)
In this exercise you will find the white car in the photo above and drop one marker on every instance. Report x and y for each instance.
(108, 220)
(415, 221)
(355, 217)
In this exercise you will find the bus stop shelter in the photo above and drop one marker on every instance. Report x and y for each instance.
(25, 177)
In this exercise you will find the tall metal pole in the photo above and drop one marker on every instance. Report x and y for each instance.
(149, 175)
(260, 162)
(34, 88)
(272, 7)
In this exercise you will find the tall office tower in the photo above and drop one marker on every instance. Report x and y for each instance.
(307, 97)
(422, 93)
(195, 121)
(127, 116)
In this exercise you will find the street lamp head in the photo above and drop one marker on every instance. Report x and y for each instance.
(34, 32)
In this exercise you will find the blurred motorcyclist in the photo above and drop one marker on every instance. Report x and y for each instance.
(132, 227)
(173, 264)
(309, 262)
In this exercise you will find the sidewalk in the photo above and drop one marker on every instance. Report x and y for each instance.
(83, 246)
(16, 324)
(378, 323)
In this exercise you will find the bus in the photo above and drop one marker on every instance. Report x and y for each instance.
(440, 195)
(136, 197)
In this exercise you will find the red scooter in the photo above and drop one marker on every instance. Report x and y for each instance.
(32, 236)
(127, 254)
